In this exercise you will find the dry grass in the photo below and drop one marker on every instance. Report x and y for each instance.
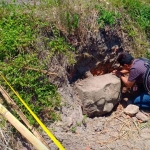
(57, 15)
(6, 135)
(87, 25)
(125, 127)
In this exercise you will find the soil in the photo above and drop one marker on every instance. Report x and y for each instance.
(75, 131)
(113, 132)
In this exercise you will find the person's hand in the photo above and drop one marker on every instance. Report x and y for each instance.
(117, 73)
(124, 71)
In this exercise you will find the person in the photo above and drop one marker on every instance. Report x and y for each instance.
(136, 70)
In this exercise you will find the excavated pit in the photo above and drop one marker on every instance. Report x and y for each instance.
(97, 57)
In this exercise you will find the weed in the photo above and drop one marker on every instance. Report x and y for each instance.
(139, 12)
(84, 120)
(135, 22)
(73, 129)
(18, 29)
(79, 124)
(106, 17)
(144, 125)
(58, 45)
(17, 32)
(72, 21)
(33, 87)
(148, 54)
(2, 121)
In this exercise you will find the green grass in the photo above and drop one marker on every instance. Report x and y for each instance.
(144, 125)
(33, 87)
(138, 10)
(135, 21)
(17, 30)
(106, 17)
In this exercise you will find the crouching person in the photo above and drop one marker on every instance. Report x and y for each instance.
(138, 70)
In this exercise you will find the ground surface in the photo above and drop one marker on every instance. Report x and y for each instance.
(76, 132)
(113, 132)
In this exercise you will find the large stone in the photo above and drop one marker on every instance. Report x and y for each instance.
(131, 110)
(142, 117)
(99, 94)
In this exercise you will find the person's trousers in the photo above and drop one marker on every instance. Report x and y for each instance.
(143, 101)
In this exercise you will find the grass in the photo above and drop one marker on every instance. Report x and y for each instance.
(144, 125)
(33, 87)
(136, 16)
(19, 30)
(139, 12)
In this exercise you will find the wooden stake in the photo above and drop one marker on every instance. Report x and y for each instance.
(22, 116)
(22, 129)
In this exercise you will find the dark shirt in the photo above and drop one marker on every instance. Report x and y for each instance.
(137, 72)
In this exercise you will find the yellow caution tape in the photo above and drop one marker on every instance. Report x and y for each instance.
(58, 144)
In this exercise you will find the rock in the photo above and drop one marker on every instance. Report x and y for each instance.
(99, 94)
(142, 116)
(70, 121)
(131, 110)
(115, 48)
(124, 89)
(88, 74)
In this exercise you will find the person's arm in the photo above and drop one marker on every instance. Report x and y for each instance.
(124, 79)
(127, 83)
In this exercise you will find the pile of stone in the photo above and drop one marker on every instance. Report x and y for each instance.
(133, 111)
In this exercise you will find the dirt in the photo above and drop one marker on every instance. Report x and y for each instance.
(113, 132)
(75, 131)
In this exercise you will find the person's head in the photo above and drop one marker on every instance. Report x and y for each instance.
(125, 60)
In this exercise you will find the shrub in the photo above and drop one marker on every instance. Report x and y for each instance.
(33, 87)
